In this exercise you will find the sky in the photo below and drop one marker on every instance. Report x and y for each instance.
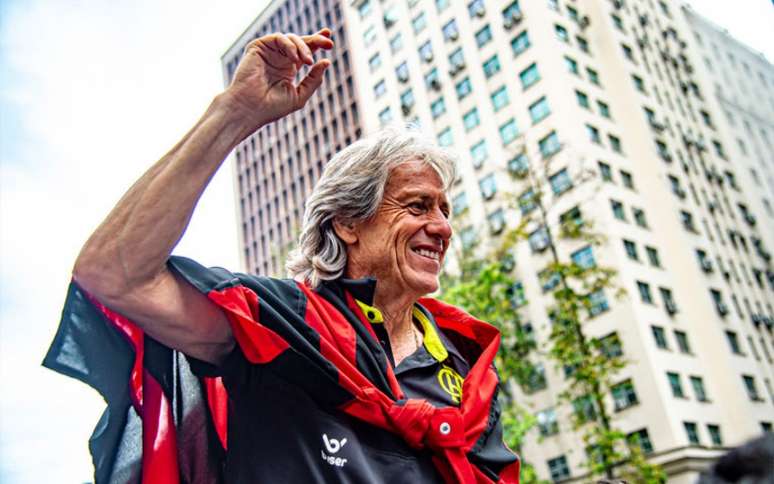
(92, 92)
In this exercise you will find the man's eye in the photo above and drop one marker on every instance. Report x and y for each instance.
(417, 207)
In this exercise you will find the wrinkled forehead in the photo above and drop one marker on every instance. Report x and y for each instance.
(417, 175)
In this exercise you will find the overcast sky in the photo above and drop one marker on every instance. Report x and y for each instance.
(92, 92)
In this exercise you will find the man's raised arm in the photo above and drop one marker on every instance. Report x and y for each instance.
(123, 264)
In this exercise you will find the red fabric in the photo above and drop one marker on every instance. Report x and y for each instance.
(449, 432)
(159, 441)
(241, 308)
(217, 401)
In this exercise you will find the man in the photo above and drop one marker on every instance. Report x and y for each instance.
(343, 375)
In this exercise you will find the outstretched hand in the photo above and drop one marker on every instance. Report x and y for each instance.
(263, 88)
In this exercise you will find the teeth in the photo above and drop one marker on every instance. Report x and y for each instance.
(428, 253)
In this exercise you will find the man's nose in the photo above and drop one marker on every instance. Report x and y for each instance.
(439, 226)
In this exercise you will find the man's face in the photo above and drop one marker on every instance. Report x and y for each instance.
(404, 244)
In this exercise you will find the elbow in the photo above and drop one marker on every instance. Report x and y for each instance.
(99, 277)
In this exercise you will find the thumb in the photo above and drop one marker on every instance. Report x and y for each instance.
(312, 81)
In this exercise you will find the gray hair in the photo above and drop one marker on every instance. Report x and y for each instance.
(351, 189)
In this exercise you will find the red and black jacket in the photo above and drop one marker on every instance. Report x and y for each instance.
(164, 424)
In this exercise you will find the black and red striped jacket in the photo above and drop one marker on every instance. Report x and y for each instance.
(165, 424)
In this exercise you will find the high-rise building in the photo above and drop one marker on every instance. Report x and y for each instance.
(637, 115)
(277, 166)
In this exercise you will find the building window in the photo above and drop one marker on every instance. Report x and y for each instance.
(584, 409)
(385, 116)
(549, 144)
(468, 237)
(628, 52)
(396, 43)
(500, 98)
(668, 300)
(593, 76)
(527, 201)
(639, 217)
(631, 249)
(483, 36)
(379, 89)
(538, 239)
(441, 5)
(605, 172)
(456, 60)
(675, 384)
(479, 153)
(615, 143)
(450, 31)
(426, 51)
(604, 109)
(476, 8)
(445, 137)
(626, 179)
(583, 44)
(488, 186)
(496, 221)
(536, 380)
(653, 256)
(529, 76)
(583, 99)
(491, 66)
(460, 204)
(618, 210)
(692, 432)
(698, 388)
(364, 9)
(374, 62)
(471, 119)
(561, 33)
(463, 88)
(645, 293)
(539, 109)
(431, 80)
(520, 43)
(751, 387)
(659, 336)
(419, 22)
(558, 468)
(624, 395)
(407, 101)
(593, 134)
(547, 423)
(641, 439)
(519, 165)
(369, 36)
(438, 107)
(639, 84)
(597, 302)
(509, 131)
(714, 433)
(402, 72)
(572, 65)
(583, 258)
(733, 343)
(560, 182)
(617, 22)
(610, 345)
(682, 342)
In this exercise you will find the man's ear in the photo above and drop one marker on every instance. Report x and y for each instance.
(345, 230)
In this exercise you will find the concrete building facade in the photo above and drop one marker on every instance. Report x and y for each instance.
(638, 116)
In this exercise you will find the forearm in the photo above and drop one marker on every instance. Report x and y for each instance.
(131, 246)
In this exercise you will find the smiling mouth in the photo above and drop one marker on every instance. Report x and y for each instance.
(430, 254)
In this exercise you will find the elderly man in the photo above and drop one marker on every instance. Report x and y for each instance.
(345, 374)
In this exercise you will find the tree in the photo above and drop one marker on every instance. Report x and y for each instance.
(483, 285)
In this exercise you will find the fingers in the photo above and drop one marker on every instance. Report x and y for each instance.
(304, 52)
(312, 81)
(287, 48)
(320, 40)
